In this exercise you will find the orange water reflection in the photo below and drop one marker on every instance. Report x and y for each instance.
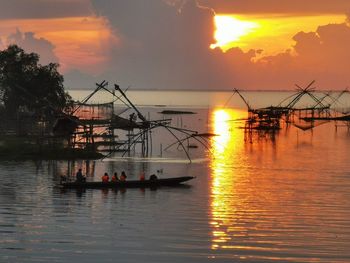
(227, 149)
(269, 197)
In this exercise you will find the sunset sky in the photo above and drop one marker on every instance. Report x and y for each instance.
(179, 44)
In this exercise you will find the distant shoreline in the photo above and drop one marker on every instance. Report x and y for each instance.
(207, 90)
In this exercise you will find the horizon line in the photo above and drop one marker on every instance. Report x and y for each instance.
(219, 90)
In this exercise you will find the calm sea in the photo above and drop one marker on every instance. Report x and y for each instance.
(261, 197)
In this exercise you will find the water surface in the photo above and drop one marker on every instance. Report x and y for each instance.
(282, 197)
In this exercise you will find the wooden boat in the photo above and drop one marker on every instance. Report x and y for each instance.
(175, 181)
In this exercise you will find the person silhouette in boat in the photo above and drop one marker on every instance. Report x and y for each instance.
(153, 177)
(132, 117)
(115, 177)
(80, 177)
(142, 176)
(123, 176)
(105, 178)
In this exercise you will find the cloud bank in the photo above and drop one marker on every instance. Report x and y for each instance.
(30, 43)
(164, 44)
(163, 48)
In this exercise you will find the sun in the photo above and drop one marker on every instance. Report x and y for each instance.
(230, 29)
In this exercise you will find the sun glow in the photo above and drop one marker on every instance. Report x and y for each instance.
(230, 29)
(271, 35)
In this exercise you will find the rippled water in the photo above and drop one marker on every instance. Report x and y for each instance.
(40, 223)
(281, 198)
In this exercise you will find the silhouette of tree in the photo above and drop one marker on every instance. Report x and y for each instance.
(29, 87)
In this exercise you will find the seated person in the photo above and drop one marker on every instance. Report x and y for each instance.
(80, 177)
(153, 177)
(105, 178)
(123, 176)
(142, 176)
(115, 177)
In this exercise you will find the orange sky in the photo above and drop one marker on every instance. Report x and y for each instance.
(166, 43)
(84, 42)
(79, 42)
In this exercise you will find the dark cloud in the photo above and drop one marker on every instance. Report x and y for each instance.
(30, 43)
(28, 9)
(76, 79)
(160, 46)
(278, 6)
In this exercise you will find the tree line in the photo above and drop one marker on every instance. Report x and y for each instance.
(27, 87)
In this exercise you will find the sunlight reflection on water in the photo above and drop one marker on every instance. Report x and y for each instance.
(265, 208)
